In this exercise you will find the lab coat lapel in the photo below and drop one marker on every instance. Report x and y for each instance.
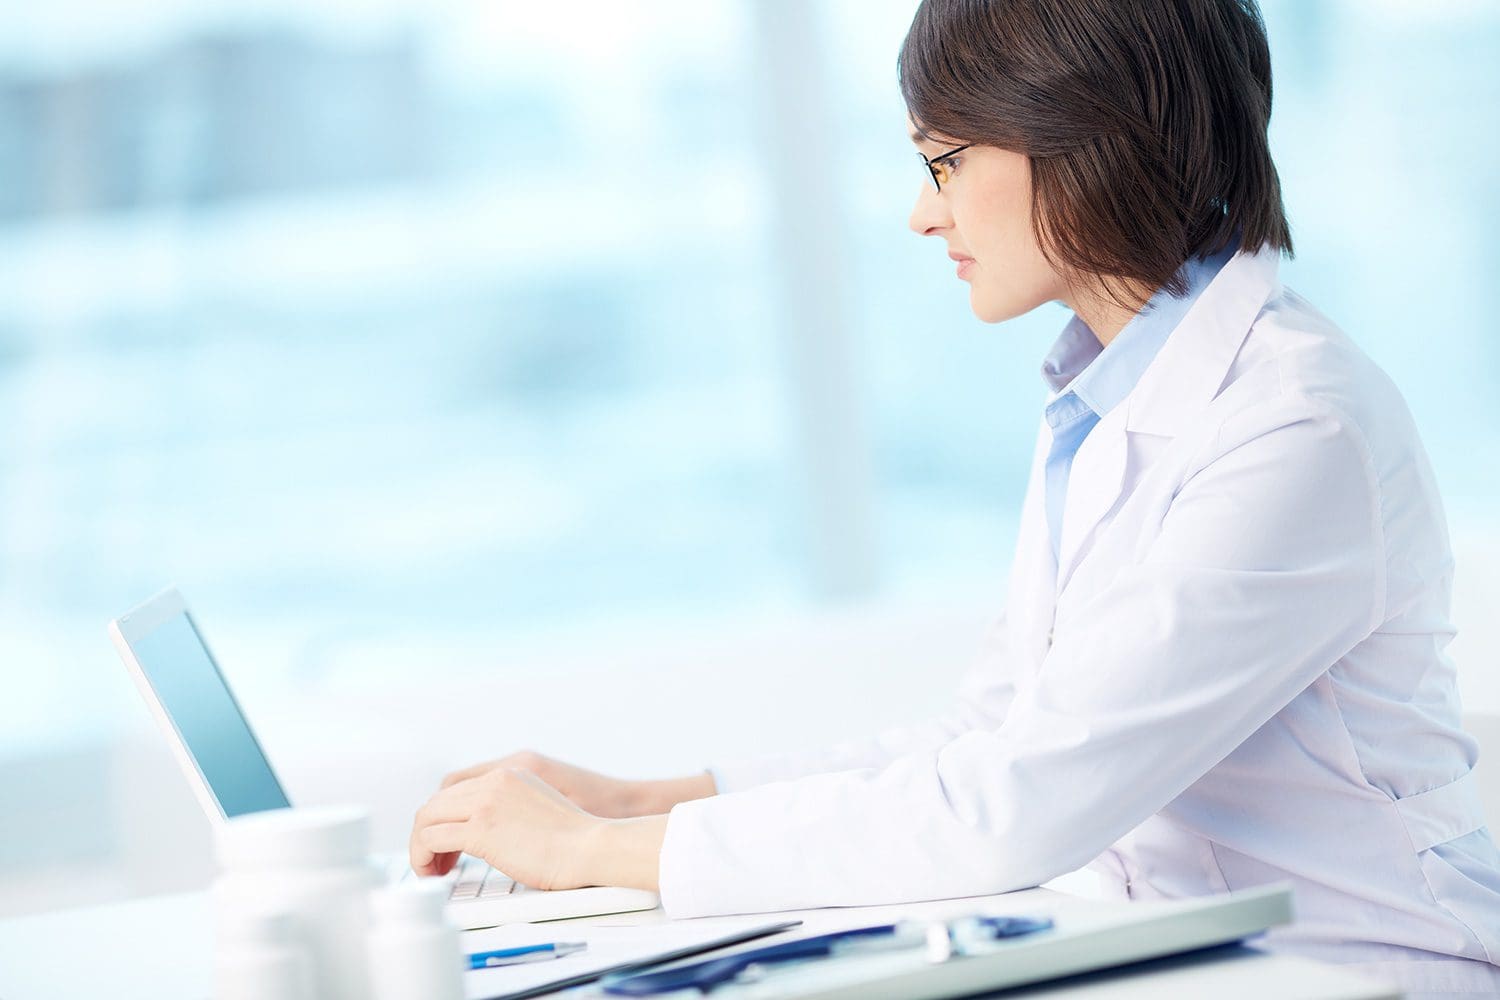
(1094, 484)
(1032, 600)
(1182, 380)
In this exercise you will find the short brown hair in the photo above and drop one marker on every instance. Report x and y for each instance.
(1144, 121)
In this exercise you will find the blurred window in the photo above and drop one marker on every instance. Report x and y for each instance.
(404, 318)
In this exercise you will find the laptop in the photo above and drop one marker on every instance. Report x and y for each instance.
(212, 740)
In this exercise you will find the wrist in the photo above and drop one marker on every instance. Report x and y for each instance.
(624, 852)
(640, 798)
(650, 798)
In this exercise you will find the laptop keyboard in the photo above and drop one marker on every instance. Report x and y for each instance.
(472, 879)
(476, 880)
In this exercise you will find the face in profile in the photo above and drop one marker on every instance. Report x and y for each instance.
(981, 208)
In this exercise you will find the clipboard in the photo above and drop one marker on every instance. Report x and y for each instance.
(1076, 945)
(647, 961)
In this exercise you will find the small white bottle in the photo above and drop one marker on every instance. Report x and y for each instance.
(415, 954)
(258, 955)
(313, 865)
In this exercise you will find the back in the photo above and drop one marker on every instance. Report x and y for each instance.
(1360, 791)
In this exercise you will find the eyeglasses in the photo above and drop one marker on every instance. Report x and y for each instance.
(939, 168)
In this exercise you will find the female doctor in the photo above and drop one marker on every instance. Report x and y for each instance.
(1222, 661)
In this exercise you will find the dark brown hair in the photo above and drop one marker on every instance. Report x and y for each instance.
(1144, 121)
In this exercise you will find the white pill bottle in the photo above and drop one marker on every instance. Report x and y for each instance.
(415, 954)
(259, 956)
(313, 865)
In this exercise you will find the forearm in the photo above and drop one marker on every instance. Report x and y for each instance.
(655, 798)
(627, 852)
(624, 852)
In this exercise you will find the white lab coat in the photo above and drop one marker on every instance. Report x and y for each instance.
(1233, 675)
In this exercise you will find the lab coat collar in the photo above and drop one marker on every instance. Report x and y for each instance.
(1191, 368)
(1180, 382)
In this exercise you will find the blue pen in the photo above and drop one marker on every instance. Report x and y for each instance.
(526, 953)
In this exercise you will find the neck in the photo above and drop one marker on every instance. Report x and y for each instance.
(1104, 316)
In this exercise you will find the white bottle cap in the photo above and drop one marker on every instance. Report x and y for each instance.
(419, 901)
(301, 838)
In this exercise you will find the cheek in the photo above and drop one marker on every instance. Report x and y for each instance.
(1012, 277)
(1000, 217)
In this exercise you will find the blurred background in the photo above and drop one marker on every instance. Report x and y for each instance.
(490, 378)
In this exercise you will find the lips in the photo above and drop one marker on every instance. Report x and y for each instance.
(965, 263)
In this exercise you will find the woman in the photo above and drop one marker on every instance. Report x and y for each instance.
(1222, 660)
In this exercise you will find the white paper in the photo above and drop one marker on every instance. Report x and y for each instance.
(607, 947)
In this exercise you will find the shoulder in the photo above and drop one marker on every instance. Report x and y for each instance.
(1307, 393)
(1296, 362)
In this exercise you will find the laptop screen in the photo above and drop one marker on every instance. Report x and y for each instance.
(190, 687)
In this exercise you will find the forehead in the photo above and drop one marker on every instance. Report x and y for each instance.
(922, 137)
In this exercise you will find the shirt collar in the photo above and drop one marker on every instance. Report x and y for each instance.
(1079, 367)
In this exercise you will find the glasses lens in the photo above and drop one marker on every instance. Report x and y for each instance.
(932, 172)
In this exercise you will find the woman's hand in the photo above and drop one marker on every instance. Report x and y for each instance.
(516, 822)
(597, 793)
(592, 792)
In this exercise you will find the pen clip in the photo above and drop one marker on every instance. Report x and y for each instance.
(970, 935)
(707, 976)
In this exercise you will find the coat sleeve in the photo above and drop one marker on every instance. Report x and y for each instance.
(1267, 568)
(984, 695)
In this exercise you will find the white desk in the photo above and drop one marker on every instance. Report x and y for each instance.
(159, 949)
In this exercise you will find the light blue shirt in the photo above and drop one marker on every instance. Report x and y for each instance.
(1090, 380)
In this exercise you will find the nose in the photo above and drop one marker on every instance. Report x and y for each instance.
(930, 215)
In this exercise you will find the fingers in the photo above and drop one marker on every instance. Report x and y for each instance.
(445, 839)
(469, 772)
(422, 861)
(467, 809)
(425, 860)
(428, 864)
(453, 805)
(510, 818)
(455, 802)
(546, 790)
(527, 760)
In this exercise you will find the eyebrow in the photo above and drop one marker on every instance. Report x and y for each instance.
(918, 136)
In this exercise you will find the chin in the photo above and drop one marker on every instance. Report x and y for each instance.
(991, 308)
(996, 305)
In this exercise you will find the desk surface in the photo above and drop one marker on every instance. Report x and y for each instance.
(159, 949)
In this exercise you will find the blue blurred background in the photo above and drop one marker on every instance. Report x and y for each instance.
(469, 352)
